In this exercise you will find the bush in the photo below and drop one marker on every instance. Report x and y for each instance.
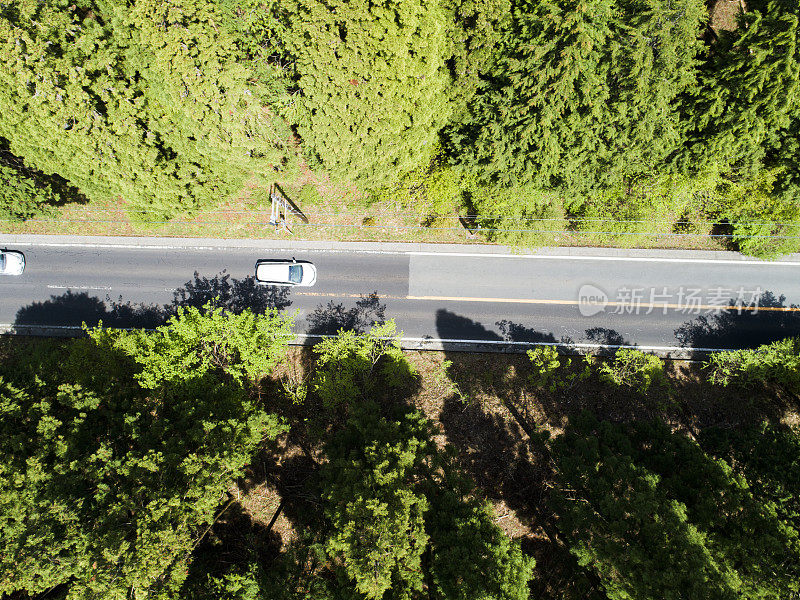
(764, 220)
(308, 196)
(634, 369)
(638, 210)
(551, 372)
(778, 363)
(21, 198)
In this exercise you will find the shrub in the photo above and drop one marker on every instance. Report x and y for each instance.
(778, 363)
(634, 369)
(552, 372)
(308, 196)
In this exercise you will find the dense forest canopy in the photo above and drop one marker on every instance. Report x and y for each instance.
(135, 464)
(586, 106)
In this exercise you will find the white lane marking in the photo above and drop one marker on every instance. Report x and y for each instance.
(649, 306)
(78, 287)
(560, 344)
(10, 327)
(101, 287)
(723, 261)
(216, 247)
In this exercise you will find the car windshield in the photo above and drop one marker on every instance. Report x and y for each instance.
(295, 273)
(2, 261)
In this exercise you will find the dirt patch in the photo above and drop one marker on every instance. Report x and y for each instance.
(724, 14)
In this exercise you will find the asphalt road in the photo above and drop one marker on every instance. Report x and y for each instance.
(450, 297)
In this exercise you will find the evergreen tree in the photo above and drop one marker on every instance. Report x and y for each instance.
(749, 88)
(655, 517)
(470, 556)
(477, 34)
(23, 194)
(105, 483)
(374, 84)
(376, 514)
(775, 363)
(141, 100)
(584, 93)
(353, 366)
(404, 522)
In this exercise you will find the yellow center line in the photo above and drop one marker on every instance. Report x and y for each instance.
(628, 305)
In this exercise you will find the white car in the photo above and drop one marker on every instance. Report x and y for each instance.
(285, 272)
(11, 262)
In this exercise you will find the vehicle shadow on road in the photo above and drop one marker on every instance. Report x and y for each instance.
(735, 328)
(72, 309)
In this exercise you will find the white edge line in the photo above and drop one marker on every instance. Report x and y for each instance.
(10, 327)
(513, 343)
(721, 261)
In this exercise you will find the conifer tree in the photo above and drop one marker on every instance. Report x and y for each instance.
(142, 100)
(655, 517)
(111, 463)
(584, 93)
(374, 83)
(749, 89)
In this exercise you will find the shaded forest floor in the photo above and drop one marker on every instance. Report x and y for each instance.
(484, 405)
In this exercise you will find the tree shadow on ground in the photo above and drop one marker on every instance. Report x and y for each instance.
(734, 328)
(72, 309)
(491, 432)
(63, 192)
(235, 539)
(514, 332)
(329, 319)
(293, 470)
(498, 445)
(606, 337)
(479, 380)
(235, 295)
(700, 405)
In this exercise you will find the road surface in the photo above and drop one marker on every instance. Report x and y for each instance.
(444, 296)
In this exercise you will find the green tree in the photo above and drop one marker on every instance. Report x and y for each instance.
(26, 193)
(375, 512)
(776, 363)
(375, 89)
(634, 369)
(353, 366)
(584, 93)
(655, 517)
(141, 100)
(112, 464)
(552, 372)
(768, 455)
(406, 523)
(749, 88)
(476, 36)
(244, 346)
(470, 557)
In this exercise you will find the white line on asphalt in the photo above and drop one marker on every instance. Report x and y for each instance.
(722, 261)
(560, 344)
(77, 287)
(11, 327)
